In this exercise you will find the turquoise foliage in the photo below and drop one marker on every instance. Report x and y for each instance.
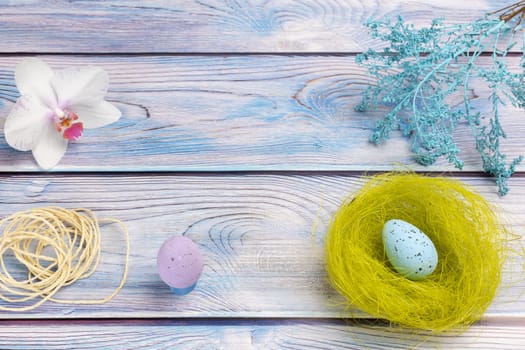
(422, 70)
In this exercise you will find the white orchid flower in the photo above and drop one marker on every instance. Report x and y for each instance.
(55, 107)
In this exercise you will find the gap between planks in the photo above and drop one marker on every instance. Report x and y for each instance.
(502, 321)
(219, 173)
(203, 53)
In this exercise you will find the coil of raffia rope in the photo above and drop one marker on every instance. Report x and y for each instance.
(57, 247)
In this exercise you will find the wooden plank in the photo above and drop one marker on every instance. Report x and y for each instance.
(262, 237)
(212, 25)
(237, 113)
(246, 335)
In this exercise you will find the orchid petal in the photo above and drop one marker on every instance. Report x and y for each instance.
(33, 77)
(25, 122)
(94, 116)
(86, 85)
(50, 147)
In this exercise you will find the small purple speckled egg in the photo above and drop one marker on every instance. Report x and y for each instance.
(180, 264)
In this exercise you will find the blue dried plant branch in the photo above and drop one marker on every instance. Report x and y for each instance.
(420, 71)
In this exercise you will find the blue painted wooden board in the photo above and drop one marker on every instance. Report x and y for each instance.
(246, 335)
(262, 237)
(240, 113)
(211, 25)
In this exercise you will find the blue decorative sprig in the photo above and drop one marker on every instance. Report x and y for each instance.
(421, 71)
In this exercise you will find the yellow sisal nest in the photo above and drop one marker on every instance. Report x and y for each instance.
(471, 245)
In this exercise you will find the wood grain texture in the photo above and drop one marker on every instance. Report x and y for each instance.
(247, 335)
(218, 86)
(237, 113)
(211, 25)
(262, 237)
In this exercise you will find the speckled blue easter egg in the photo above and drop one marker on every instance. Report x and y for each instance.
(180, 264)
(409, 250)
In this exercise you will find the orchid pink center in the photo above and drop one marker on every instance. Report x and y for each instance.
(66, 123)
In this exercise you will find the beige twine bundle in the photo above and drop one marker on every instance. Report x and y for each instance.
(57, 247)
